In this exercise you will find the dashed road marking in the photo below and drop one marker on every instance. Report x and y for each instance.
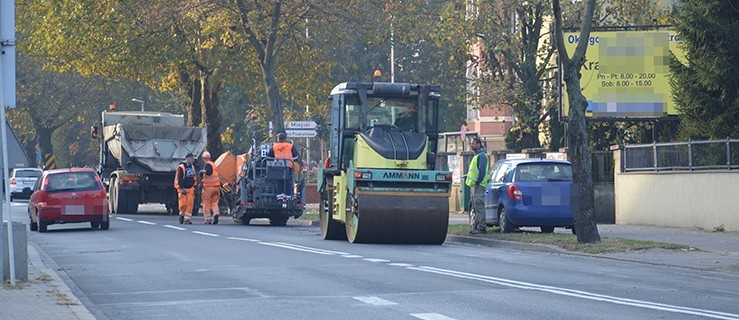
(351, 256)
(242, 239)
(206, 234)
(376, 260)
(173, 227)
(297, 248)
(310, 248)
(431, 316)
(375, 301)
(124, 219)
(405, 265)
(146, 222)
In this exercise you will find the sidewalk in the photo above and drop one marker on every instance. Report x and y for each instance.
(44, 296)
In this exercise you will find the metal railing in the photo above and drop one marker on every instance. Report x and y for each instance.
(682, 156)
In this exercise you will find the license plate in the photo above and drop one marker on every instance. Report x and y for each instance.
(73, 210)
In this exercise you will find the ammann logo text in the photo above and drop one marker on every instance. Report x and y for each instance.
(401, 175)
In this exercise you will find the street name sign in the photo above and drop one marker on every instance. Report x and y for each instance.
(301, 133)
(300, 125)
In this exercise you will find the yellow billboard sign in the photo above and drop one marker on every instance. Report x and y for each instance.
(626, 73)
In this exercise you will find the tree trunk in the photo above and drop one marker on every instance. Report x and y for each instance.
(273, 97)
(195, 110)
(579, 154)
(211, 114)
(43, 139)
(578, 151)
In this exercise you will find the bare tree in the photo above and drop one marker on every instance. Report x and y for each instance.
(578, 151)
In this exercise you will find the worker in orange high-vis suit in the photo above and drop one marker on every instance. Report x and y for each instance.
(211, 190)
(284, 150)
(184, 182)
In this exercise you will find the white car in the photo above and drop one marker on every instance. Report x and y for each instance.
(22, 178)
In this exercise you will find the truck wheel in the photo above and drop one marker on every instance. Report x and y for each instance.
(132, 202)
(279, 222)
(113, 195)
(330, 228)
(121, 203)
(94, 224)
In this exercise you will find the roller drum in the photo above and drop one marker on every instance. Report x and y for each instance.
(398, 217)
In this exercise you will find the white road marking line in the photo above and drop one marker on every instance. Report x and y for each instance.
(146, 222)
(242, 239)
(173, 227)
(310, 248)
(375, 301)
(351, 256)
(206, 234)
(375, 260)
(431, 316)
(581, 294)
(405, 265)
(296, 248)
(124, 219)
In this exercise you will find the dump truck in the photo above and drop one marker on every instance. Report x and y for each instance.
(139, 153)
(382, 184)
(257, 191)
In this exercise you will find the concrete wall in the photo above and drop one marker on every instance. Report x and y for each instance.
(683, 199)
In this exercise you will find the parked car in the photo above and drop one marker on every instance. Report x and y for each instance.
(68, 196)
(529, 193)
(22, 178)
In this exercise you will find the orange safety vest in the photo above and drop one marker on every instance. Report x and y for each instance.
(212, 180)
(184, 170)
(284, 151)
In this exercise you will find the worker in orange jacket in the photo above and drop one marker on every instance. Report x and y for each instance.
(284, 150)
(184, 182)
(211, 193)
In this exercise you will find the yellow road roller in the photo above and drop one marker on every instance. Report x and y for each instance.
(381, 183)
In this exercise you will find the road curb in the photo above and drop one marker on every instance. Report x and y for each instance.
(495, 243)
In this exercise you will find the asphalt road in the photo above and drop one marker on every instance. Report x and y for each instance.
(147, 266)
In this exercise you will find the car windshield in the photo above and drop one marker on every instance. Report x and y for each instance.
(27, 173)
(539, 172)
(72, 181)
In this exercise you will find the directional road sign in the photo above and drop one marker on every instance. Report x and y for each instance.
(301, 133)
(300, 125)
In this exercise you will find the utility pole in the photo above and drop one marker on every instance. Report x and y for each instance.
(7, 100)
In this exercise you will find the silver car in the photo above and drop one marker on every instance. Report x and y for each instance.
(22, 178)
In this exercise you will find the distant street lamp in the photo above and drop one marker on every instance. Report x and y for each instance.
(143, 104)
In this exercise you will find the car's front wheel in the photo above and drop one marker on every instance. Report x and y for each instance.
(505, 225)
(94, 224)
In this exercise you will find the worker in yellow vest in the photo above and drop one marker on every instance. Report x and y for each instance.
(477, 179)
(211, 190)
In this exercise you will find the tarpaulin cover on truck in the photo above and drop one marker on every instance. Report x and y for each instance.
(153, 148)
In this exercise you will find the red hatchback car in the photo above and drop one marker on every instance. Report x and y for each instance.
(68, 196)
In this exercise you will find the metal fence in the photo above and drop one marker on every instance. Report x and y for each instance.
(686, 156)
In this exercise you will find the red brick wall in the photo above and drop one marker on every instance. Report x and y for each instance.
(311, 193)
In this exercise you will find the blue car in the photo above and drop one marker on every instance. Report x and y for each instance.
(529, 193)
